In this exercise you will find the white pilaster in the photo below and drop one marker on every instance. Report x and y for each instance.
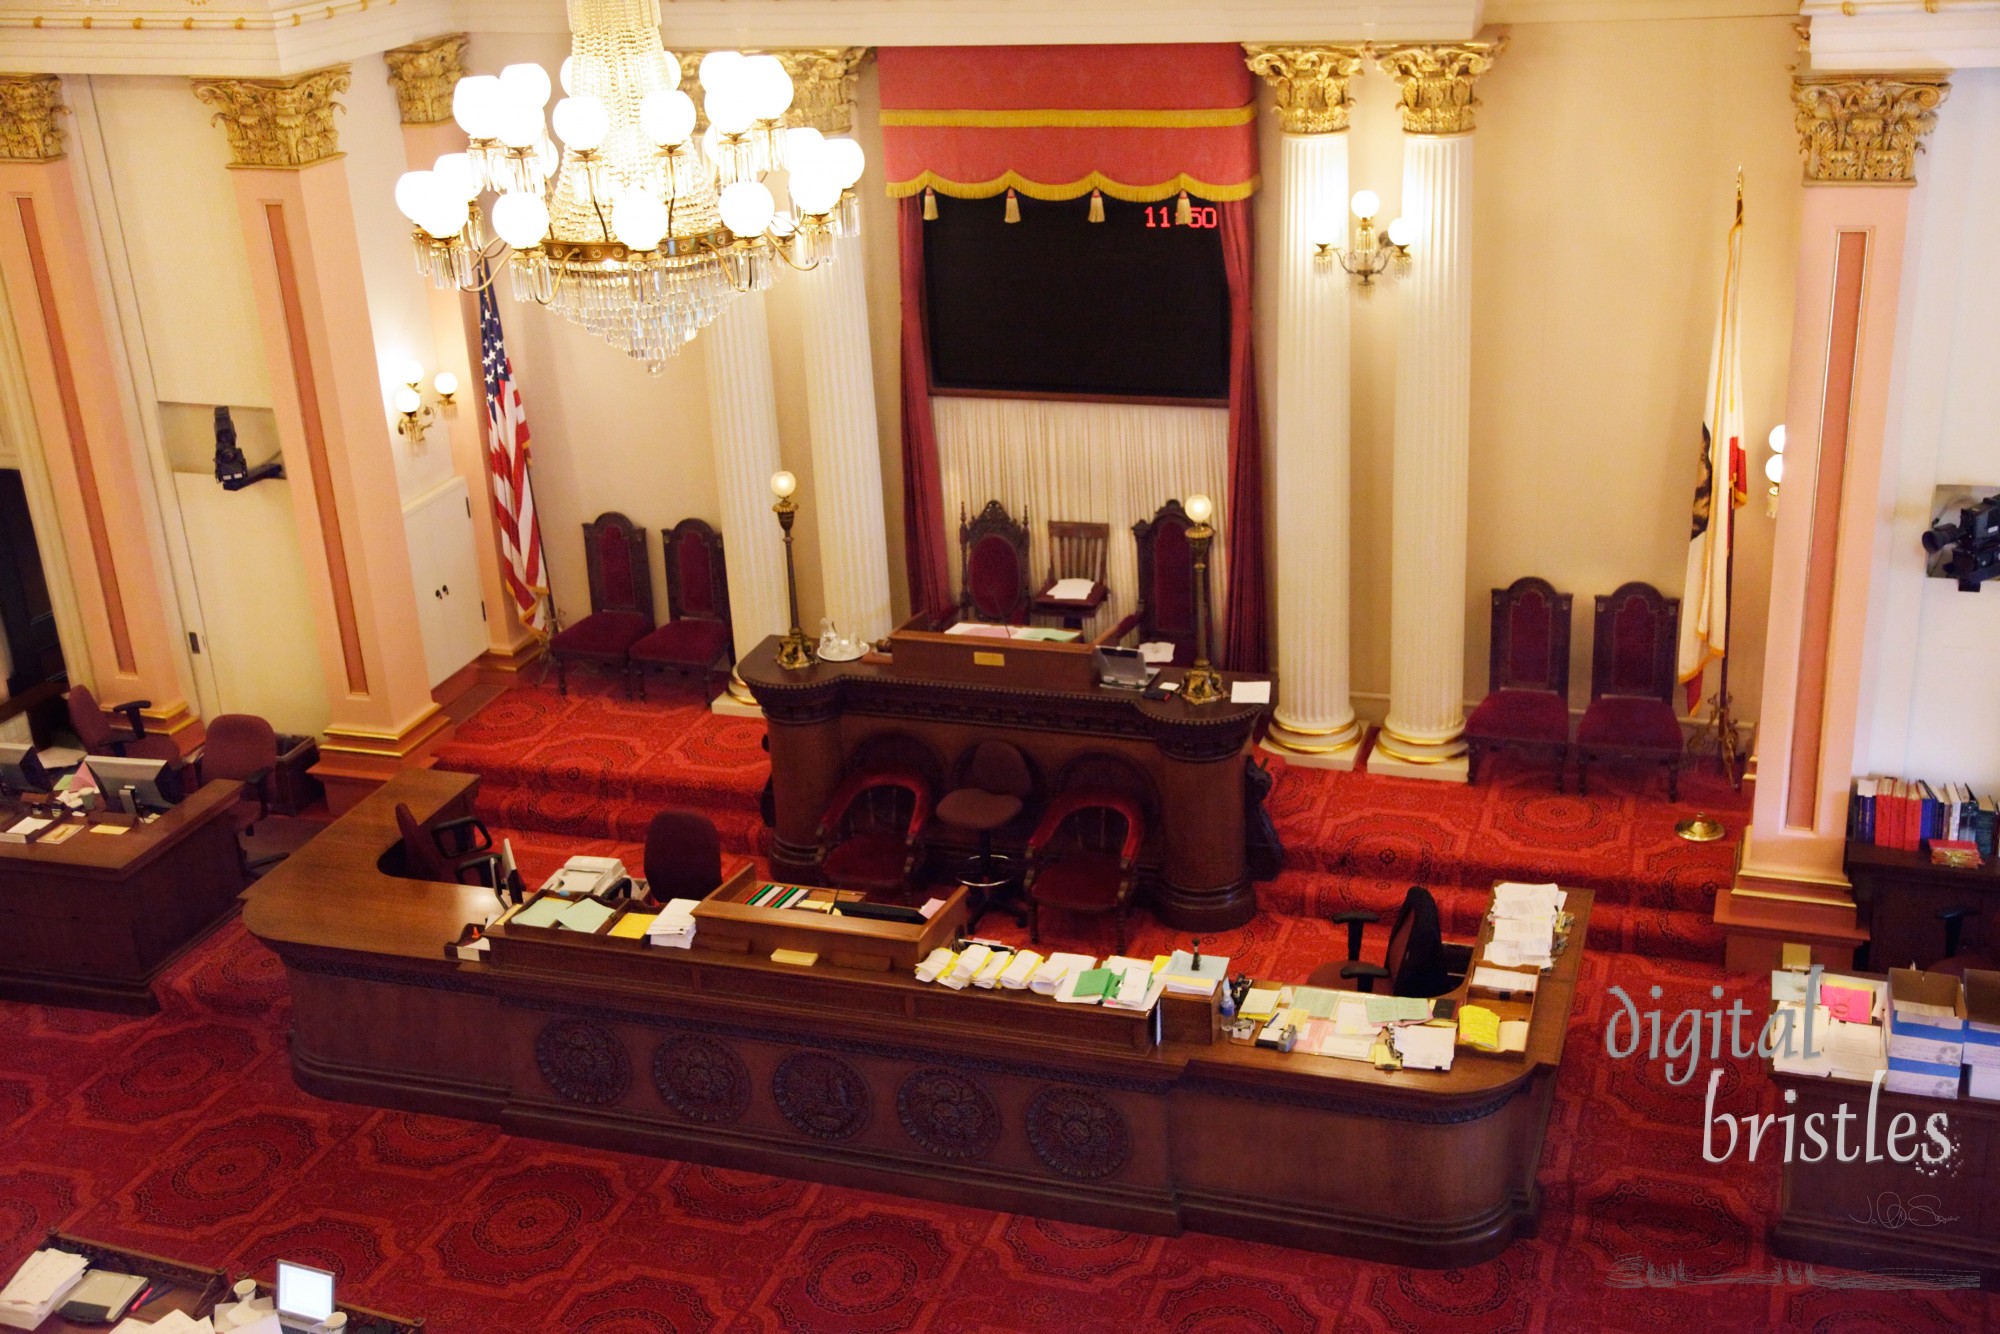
(743, 417)
(1423, 736)
(1314, 723)
(846, 448)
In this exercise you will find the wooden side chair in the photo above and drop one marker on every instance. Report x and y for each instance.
(1166, 581)
(621, 598)
(993, 562)
(1076, 551)
(696, 640)
(1632, 682)
(1527, 678)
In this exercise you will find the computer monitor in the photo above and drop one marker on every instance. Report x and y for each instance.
(305, 1294)
(150, 783)
(21, 769)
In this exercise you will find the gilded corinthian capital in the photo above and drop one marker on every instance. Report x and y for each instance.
(823, 79)
(1436, 79)
(1311, 83)
(28, 107)
(424, 75)
(278, 122)
(1865, 128)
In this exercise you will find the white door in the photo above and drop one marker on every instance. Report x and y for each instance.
(444, 567)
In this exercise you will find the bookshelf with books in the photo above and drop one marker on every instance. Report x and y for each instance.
(1948, 822)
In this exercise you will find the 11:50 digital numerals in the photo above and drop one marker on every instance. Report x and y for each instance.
(1201, 215)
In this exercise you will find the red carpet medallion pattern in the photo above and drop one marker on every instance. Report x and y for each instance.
(184, 1134)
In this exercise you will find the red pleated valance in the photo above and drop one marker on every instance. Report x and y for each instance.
(1140, 123)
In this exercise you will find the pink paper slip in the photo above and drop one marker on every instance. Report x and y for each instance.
(1852, 1005)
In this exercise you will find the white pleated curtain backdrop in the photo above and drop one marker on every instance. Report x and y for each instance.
(1109, 463)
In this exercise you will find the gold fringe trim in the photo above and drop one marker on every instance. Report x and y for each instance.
(1196, 118)
(1131, 194)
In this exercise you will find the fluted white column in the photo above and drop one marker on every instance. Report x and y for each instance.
(846, 448)
(1314, 722)
(743, 420)
(1424, 733)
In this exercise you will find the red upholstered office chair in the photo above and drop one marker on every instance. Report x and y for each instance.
(993, 561)
(1084, 857)
(683, 856)
(244, 748)
(872, 835)
(621, 598)
(994, 786)
(1418, 961)
(1632, 682)
(696, 638)
(1527, 678)
(1166, 581)
(98, 736)
(448, 851)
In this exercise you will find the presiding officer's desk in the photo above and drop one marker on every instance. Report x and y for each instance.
(997, 1099)
(939, 695)
(93, 920)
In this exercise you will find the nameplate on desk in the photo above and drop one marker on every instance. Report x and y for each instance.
(989, 660)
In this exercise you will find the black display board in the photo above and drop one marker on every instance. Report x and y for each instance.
(1134, 306)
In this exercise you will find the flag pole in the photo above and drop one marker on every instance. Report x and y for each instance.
(1725, 724)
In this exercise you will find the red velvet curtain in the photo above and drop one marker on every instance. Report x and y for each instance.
(1243, 648)
(926, 557)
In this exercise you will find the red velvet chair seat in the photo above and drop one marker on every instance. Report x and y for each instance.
(1630, 724)
(606, 633)
(1520, 715)
(1085, 881)
(972, 808)
(683, 643)
(871, 860)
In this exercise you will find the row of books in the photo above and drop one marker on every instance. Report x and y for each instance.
(1906, 814)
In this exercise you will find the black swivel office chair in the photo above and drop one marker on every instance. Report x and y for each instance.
(1417, 962)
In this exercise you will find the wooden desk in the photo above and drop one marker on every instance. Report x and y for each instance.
(996, 1099)
(1184, 764)
(193, 1290)
(1900, 895)
(94, 920)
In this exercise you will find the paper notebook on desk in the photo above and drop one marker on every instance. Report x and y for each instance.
(542, 912)
(1053, 977)
(1089, 987)
(1423, 1047)
(1250, 692)
(584, 916)
(632, 926)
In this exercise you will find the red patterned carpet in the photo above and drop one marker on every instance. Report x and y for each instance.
(184, 1134)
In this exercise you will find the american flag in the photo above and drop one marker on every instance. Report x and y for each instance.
(507, 452)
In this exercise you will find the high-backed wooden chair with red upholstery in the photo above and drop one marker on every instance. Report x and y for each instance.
(621, 598)
(1631, 713)
(872, 834)
(99, 737)
(696, 639)
(1084, 857)
(1527, 678)
(993, 564)
(1166, 581)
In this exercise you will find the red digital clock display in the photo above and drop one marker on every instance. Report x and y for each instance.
(1201, 215)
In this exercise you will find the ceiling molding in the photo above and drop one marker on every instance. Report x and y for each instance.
(1629, 11)
(242, 39)
(1904, 34)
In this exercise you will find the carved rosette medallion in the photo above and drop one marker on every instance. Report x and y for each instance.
(823, 79)
(1311, 83)
(28, 107)
(1078, 1134)
(583, 1061)
(701, 1078)
(1865, 129)
(820, 1095)
(285, 123)
(947, 1113)
(424, 75)
(1436, 79)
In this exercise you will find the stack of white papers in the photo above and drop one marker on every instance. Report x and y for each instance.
(39, 1286)
(997, 963)
(1524, 925)
(936, 963)
(1020, 970)
(1071, 590)
(1426, 1046)
(674, 927)
(1787, 1039)
(1158, 652)
(1857, 1051)
(1139, 990)
(970, 960)
(176, 1322)
(1054, 976)
(1185, 977)
(1504, 980)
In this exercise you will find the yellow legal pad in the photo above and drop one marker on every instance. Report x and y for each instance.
(632, 926)
(1479, 1027)
(798, 958)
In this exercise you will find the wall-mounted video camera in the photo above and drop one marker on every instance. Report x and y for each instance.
(1968, 550)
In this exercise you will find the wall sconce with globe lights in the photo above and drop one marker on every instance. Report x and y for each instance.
(1372, 253)
(413, 415)
(1774, 469)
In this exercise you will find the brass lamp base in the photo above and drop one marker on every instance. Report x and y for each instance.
(795, 653)
(1704, 828)
(1203, 685)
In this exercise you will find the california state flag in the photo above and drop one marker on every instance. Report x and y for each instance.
(1705, 603)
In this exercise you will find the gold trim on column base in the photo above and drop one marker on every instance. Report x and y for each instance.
(498, 668)
(1297, 748)
(177, 722)
(387, 745)
(1394, 735)
(350, 768)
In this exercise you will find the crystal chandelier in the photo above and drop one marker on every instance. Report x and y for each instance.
(635, 228)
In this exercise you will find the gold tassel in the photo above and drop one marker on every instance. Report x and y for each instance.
(1184, 212)
(930, 204)
(1013, 208)
(1097, 206)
